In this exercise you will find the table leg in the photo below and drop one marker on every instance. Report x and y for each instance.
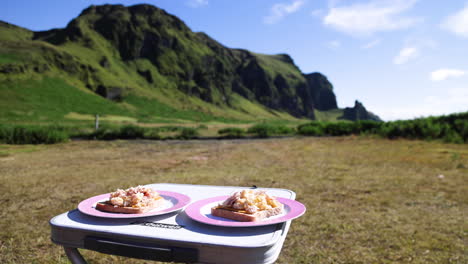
(74, 255)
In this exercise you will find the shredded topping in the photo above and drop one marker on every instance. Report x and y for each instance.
(250, 201)
(137, 197)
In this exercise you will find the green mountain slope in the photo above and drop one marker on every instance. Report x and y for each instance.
(140, 62)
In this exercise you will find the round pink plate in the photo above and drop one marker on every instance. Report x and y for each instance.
(173, 202)
(200, 211)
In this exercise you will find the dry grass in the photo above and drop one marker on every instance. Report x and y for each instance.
(369, 200)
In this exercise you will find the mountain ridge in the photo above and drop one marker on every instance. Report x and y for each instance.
(120, 53)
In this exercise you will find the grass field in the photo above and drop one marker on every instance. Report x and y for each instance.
(368, 200)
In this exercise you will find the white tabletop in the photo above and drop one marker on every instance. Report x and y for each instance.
(173, 227)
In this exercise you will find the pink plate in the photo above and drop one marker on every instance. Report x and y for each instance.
(200, 211)
(173, 202)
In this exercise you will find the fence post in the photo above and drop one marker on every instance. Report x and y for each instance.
(97, 122)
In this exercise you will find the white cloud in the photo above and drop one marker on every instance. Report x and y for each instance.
(371, 44)
(197, 3)
(457, 23)
(405, 55)
(371, 17)
(442, 74)
(280, 10)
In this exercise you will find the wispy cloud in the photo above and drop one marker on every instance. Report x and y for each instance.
(197, 3)
(406, 54)
(371, 44)
(280, 10)
(368, 18)
(457, 23)
(443, 74)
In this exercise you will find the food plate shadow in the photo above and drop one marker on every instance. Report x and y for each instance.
(77, 216)
(194, 226)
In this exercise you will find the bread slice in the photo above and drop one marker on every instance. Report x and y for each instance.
(108, 207)
(242, 216)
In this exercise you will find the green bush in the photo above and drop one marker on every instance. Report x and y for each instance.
(453, 137)
(131, 132)
(367, 127)
(188, 133)
(169, 128)
(342, 128)
(461, 126)
(152, 134)
(32, 134)
(124, 132)
(450, 129)
(339, 128)
(267, 130)
(105, 133)
(311, 129)
(232, 132)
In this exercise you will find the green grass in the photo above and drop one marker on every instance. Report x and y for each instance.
(50, 100)
(368, 200)
(274, 65)
(330, 115)
(152, 110)
(8, 58)
(14, 33)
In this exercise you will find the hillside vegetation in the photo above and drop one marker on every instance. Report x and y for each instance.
(450, 129)
(143, 64)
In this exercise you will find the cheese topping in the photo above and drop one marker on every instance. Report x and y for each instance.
(136, 197)
(250, 201)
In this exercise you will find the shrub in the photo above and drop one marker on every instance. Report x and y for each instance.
(267, 130)
(33, 135)
(461, 126)
(113, 132)
(152, 134)
(450, 129)
(105, 133)
(188, 133)
(131, 132)
(262, 131)
(311, 129)
(169, 128)
(232, 132)
(283, 130)
(453, 137)
(367, 127)
(339, 128)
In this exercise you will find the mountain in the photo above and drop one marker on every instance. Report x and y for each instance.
(358, 112)
(143, 63)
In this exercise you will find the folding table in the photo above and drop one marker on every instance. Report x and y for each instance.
(173, 236)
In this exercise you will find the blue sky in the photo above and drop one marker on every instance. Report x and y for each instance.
(402, 58)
